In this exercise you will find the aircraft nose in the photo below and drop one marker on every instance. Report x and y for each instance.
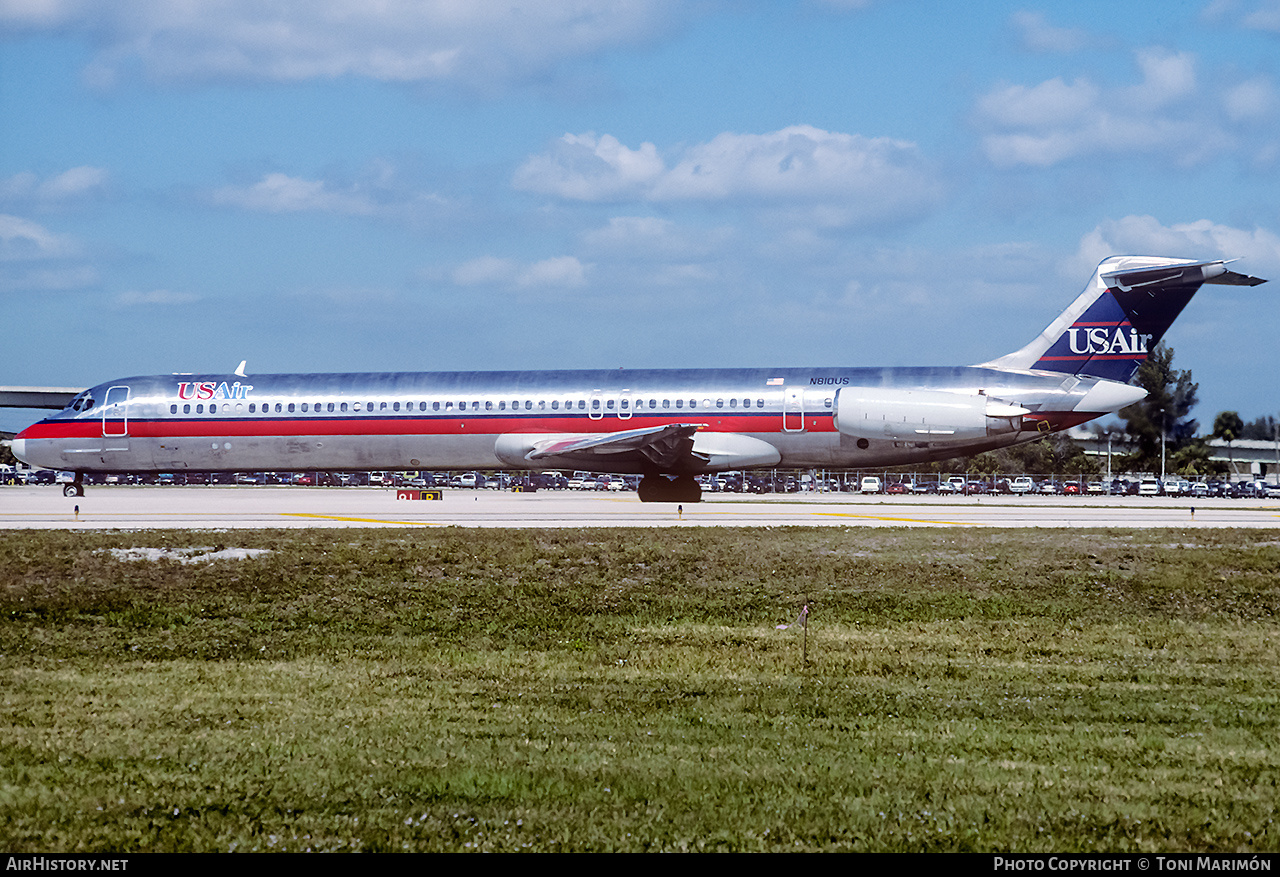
(19, 448)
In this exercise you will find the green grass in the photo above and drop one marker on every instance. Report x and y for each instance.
(627, 690)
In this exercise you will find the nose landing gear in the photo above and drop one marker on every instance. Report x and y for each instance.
(75, 488)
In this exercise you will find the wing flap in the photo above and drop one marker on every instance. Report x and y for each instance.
(658, 443)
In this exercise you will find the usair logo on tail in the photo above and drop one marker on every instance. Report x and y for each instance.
(1096, 340)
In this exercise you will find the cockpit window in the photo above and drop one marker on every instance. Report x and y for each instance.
(83, 402)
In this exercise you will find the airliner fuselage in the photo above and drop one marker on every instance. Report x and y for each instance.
(668, 425)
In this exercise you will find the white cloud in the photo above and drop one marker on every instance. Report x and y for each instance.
(584, 167)
(280, 193)
(22, 240)
(834, 178)
(155, 297)
(71, 185)
(479, 44)
(1254, 99)
(1259, 249)
(1264, 15)
(651, 237)
(1166, 114)
(557, 272)
(1037, 35)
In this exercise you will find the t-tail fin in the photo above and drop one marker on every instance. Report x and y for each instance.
(1124, 311)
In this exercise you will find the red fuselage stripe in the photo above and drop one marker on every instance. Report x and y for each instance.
(187, 427)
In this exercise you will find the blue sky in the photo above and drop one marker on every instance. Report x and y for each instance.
(339, 185)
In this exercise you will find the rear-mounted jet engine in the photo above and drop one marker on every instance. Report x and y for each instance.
(925, 416)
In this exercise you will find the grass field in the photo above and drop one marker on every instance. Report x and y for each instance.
(627, 690)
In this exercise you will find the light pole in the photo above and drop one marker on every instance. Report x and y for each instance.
(1163, 427)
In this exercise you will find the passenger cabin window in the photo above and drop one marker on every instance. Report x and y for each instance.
(173, 409)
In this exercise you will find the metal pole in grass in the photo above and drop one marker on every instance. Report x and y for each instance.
(803, 620)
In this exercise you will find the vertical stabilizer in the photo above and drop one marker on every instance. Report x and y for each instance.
(1129, 304)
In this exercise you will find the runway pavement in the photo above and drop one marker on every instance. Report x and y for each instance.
(138, 508)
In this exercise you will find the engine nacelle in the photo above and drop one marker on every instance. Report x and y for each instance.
(926, 416)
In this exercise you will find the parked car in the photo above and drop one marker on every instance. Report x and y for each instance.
(1022, 484)
(870, 484)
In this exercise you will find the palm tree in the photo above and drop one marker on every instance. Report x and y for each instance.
(1227, 426)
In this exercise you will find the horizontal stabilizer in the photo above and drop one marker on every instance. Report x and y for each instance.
(1122, 314)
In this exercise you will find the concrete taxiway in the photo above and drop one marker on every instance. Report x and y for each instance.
(139, 508)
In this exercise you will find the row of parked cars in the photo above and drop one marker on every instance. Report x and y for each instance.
(727, 482)
(1026, 486)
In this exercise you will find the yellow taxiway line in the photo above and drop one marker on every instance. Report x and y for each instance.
(899, 520)
(363, 520)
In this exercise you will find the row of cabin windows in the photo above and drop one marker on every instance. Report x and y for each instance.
(463, 405)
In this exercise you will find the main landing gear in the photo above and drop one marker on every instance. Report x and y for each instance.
(659, 488)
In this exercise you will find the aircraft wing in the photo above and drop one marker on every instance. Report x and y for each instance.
(662, 445)
(38, 397)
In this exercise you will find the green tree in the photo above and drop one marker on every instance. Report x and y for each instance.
(1171, 394)
(1228, 426)
(1263, 429)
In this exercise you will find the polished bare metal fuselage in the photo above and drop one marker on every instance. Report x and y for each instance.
(467, 420)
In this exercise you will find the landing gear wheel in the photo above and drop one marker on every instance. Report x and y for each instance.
(658, 488)
(73, 490)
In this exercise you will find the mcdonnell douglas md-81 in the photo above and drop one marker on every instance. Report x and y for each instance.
(668, 425)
